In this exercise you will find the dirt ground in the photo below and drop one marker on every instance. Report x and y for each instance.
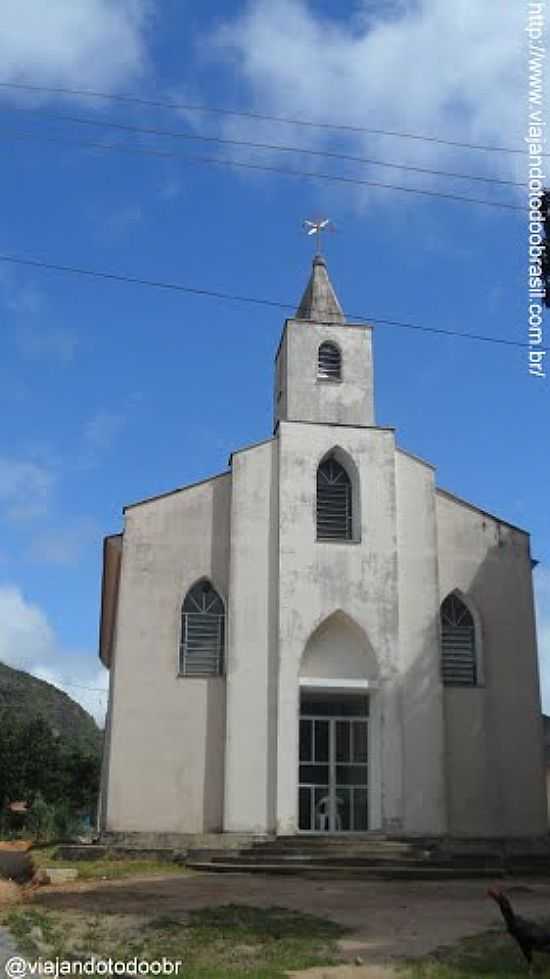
(347, 972)
(10, 893)
(390, 920)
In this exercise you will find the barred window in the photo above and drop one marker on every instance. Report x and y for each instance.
(458, 644)
(329, 363)
(333, 502)
(202, 632)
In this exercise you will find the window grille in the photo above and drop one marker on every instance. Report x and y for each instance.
(202, 632)
(333, 502)
(329, 365)
(458, 644)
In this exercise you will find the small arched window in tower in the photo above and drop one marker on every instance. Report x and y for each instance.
(458, 644)
(334, 516)
(202, 632)
(329, 362)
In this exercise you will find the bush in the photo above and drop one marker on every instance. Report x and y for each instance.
(65, 824)
(41, 819)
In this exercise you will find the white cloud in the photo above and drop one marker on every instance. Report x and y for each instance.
(65, 545)
(119, 224)
(89, 690)
(432, 67)
(542, 596)
(25, 488)
(35, 338)
(28, 642)
(102, 429)
(25, 634)
(100, 435)
(36, 342)
(23, 299)
(170, 189)
(74, 43)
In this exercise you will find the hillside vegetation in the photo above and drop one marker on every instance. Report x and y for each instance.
(25, 698)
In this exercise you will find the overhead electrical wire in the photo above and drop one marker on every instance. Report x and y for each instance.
(264, 117)
(65, 683)
(230, 297)
(284, 171)
(250, 144)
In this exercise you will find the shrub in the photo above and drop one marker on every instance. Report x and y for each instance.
(41, 819)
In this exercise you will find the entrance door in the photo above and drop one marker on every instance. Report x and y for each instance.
(333, 769)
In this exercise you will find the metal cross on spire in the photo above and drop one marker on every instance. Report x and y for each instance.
(316, 227)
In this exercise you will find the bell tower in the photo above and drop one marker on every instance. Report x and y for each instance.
(323, 367)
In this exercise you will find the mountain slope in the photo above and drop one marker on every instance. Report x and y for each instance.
(24, 697)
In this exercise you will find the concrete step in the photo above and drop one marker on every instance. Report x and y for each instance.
(330, 857)
(276, 853)
(351, 839)
(388, 872)
(91, 851)
(377, 859)
(332, 847)
(352, 859)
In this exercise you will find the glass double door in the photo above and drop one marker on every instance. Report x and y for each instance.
(333, 774)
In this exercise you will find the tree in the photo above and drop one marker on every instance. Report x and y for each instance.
(36, 764)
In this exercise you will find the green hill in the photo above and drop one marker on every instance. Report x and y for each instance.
(24, 697)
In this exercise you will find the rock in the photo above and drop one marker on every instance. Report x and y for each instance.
(78, 955)
(60, 875)
(40, 877)
(358, 960)
(15, 865)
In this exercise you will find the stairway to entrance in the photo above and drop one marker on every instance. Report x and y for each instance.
(379, 857)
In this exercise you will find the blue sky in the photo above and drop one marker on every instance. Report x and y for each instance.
(111, 392)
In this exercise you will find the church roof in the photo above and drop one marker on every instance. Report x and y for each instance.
(319, 302)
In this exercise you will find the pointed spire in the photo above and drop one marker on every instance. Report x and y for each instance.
(319, 302)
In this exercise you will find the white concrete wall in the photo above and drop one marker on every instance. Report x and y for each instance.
(166, 754)
(338, 650)
(495, 783)
(252, 647)
(305, 397)
(419, 654)
(318, 578)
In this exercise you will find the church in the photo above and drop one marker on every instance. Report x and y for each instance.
(321, 639)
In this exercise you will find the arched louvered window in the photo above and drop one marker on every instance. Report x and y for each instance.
(202, 632)
(334, 516)
(329, 364)
(458, 644)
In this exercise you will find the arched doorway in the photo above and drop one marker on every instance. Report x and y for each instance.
(338, 677)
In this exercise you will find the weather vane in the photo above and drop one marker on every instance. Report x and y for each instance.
(316, 227)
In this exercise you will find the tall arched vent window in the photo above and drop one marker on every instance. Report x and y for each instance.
(333, 502)
(202, 632)
(458, 644)
(329, 363)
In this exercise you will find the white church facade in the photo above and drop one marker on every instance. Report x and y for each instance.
(320, 640)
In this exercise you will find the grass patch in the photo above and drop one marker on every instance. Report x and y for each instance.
(109, 868)
(492, 955)
(236, 941)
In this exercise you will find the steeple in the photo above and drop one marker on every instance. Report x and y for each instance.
(319, 302)
(323, 367)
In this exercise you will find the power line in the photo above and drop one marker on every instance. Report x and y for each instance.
(350, 158)
(228, 297)
(284, 171)
(65, 683)
(80, 686)
(190, 107)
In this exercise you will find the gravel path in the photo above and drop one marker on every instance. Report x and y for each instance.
(7, 949)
